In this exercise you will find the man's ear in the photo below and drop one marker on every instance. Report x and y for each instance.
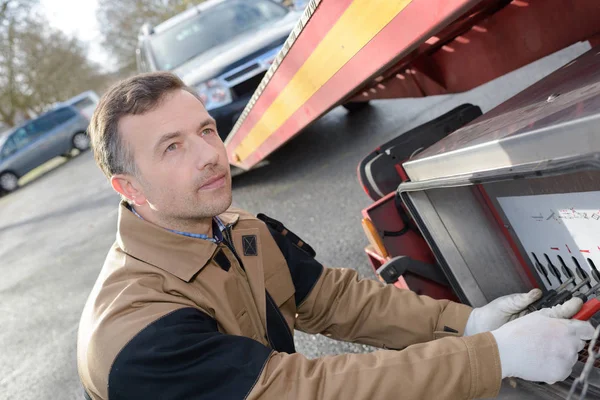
(129, 188)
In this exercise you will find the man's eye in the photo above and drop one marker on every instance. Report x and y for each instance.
(171, 147)
(208, 131)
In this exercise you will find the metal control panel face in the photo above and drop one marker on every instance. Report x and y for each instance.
(560, 233)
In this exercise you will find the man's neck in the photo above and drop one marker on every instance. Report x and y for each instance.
(198, 227)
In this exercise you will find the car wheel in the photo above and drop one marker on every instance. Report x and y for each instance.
(9, 182)
(356, 106)
(81, 141)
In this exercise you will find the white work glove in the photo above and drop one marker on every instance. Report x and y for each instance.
(543, 345)
(499, 312)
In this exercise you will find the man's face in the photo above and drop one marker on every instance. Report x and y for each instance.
(184, 173)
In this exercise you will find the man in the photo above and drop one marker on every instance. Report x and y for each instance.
(199, 301)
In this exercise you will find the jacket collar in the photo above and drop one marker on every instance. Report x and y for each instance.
(229, 217)
(179, 255)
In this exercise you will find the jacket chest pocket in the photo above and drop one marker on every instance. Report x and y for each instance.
(245, 325)
(229, 297)
(281, 288)
(247, 318)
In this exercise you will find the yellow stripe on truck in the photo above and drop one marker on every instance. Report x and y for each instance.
(361, 21)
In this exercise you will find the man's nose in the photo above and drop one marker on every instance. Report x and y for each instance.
(204, 153)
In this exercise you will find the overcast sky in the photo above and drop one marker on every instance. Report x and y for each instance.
(78, 18)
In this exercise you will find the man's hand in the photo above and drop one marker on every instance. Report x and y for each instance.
(543, 345)
(499, 312)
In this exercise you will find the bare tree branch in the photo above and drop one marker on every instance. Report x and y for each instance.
(40, 66)
(120, 22)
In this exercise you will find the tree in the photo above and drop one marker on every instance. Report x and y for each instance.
(14, 7)
(61, 68)
(120, 23)
(11, 99)
(40, 66)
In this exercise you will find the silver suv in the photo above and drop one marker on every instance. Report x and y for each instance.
(223, 48)
(30, 145)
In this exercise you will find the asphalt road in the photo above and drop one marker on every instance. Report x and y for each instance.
(56, 230)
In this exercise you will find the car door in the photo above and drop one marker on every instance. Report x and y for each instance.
(59, 138)
(40, 147)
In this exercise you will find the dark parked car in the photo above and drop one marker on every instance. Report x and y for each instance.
(30, 145)
(223, 48)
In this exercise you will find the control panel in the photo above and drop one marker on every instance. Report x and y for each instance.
(560, 234)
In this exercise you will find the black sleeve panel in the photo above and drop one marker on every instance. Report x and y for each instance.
(305, 270)
(183, 356)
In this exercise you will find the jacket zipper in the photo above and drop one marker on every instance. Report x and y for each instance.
(228, 239)
(229, 243)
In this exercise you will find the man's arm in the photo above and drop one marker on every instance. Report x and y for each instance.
(183, 356)
(345, 308)
(336, 303)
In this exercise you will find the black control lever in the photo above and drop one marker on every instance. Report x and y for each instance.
(402, 265)
(541, 269)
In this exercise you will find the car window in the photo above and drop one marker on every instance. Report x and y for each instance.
(17, 141)
(81, 104)
(8, 148)
(41, 125)
(210, 28)
(64, 114)
(49, 121)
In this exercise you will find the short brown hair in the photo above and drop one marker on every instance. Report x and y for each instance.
(133, 96)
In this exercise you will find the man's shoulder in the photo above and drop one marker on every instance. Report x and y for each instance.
(127, 298)
(128, 286)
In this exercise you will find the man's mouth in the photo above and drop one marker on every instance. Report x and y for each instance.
(214, 182)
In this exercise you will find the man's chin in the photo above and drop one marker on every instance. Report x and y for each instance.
(224, 206)
(216, 204)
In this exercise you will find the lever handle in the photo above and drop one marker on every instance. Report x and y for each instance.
(590, 308)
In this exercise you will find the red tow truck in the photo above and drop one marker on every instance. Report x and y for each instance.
(469, 206)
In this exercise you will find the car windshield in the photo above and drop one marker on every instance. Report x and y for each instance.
(210, 28)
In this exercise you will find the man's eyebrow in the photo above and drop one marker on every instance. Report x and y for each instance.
(205, 123)
(165, 138)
